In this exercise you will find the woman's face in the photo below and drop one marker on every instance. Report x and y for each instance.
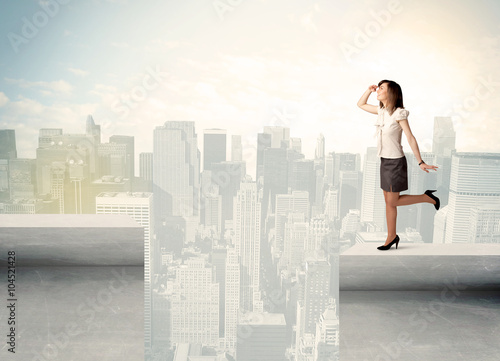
(382, 92)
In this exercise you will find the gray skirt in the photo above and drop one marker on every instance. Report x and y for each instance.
(393, 174)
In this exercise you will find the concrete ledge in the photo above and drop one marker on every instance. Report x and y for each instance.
(72, 240)
(420, 267)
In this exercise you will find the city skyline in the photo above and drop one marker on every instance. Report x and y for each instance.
(225, 136)
(216, 79)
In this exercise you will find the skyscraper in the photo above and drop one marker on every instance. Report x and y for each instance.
(214, 147)
(246, 224)
(263, 142)
(146, 166)
(295, 239)
(326, 346)
(113, 160)
(8, 148)
(443, 141)
(22, 178)
(350, 185)
(485, 224)
(232, 298)
(128, 141)
(319, 153)
(443, 146)
(195, 304)
(226, 176)
(280, 136)
(297, 201)
(316, 293)
(474, 183)
(301, 177)
(176, 164)
(372, 201)
(236, 148)
(275, 176)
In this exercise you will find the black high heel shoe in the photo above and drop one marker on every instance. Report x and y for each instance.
(432, 196)
(385, 248)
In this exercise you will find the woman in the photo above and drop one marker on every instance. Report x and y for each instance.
(391, 122)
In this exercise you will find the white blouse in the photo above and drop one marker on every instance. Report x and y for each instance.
(389, 132)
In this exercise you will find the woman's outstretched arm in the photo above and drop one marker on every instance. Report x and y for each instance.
(364, 98)
(414, 146)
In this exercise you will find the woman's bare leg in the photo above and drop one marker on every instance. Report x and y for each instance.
(392, 201)
(391, 214)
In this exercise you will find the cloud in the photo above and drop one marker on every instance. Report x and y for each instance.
(121, 44)
(3, 99)
(44, 87)
(78, 72)
(27, 116)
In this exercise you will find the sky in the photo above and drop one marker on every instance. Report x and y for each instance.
(241, 65)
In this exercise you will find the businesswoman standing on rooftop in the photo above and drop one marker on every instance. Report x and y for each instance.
(392, 120)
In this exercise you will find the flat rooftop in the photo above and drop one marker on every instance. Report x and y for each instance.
(66, 221)
(420, 266)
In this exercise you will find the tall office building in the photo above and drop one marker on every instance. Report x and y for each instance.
(331, 203)
(372, 201)
(246, 224)
(138, 206)
(4, 180)
(319, 190)
(296, 144)
(485, 224)
(350, 223)
(93, 130)
(176, 176)
(350, 185)
(57, 180)
(212, 211)
(316, 293)
(443, 146)
(236, 148)
(22, 178)
(275, 173)
(214, 147)
(297, 201)
(263, 142)
(439, 232)
(261, 336)
(45, 136)
(295, 239)
(226, 176)
(326, 347)
(318, 229)
(128, 141)
(146, 166)
(474, 183)
(280, 136)
(113, 160)
(218, 259)
(301, 177)
(329, 168)
(337, 162)
(8, 148)
(195, 304)
(319, 153)
(69, 151)
(443, 140)
(425, 219)
(231, 299)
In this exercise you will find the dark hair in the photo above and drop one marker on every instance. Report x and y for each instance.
(394, 95)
